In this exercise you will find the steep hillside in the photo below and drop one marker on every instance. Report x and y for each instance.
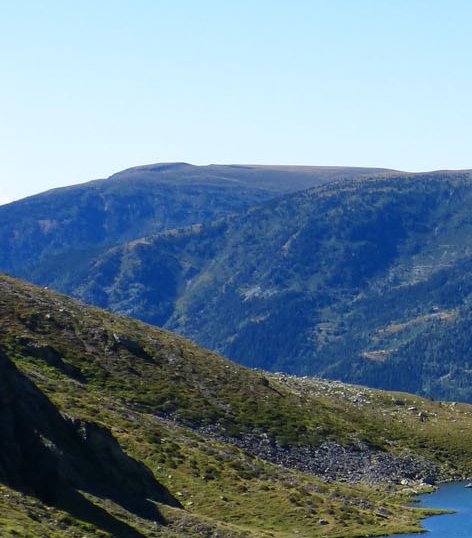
(366, 281)
(53, 236)
(110, 427)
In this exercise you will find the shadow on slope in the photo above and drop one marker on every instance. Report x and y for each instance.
(54, 458)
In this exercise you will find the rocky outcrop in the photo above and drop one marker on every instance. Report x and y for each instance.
(355, 463)
(352, 464)
(50, 356)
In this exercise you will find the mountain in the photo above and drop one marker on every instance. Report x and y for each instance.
(45, 237)
(365, 277)
(111, 427)
(367, 281)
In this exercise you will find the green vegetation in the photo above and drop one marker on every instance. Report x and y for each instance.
(232, 451)
(366, 281)
(51, 238)
(269, 286)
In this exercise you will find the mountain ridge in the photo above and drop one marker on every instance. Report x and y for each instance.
(361, 279)
(80, 221)
(314, 262)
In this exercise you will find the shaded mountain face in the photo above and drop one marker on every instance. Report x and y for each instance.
(105, 421)
(64, 229)
(364, 280)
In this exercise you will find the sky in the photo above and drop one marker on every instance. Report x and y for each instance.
(92, 87)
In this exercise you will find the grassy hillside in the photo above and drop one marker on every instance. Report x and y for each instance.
(111, 427)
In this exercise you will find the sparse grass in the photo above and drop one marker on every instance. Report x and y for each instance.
(169, 404)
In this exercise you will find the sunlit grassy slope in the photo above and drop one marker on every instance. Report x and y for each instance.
(110, 427)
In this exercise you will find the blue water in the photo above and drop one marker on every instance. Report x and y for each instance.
(453, 496)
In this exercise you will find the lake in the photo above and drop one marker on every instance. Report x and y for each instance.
(452, 496)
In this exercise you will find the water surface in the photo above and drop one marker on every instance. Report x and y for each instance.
(453, 496)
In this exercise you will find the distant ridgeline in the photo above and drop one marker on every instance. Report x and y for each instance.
(361, 275)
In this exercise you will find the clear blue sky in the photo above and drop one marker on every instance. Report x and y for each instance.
(91, 87)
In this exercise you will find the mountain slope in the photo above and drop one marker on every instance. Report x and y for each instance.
(142, 433)
(54, 458)
(362, 281)
(365, 280)
(45, 238)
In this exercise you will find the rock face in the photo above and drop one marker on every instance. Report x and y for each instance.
(47, 455)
